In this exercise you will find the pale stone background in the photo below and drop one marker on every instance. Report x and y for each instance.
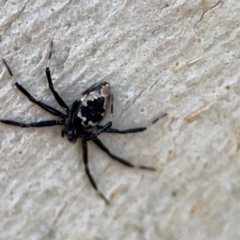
(177, 56)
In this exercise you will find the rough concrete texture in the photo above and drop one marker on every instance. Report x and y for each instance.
(179, 57)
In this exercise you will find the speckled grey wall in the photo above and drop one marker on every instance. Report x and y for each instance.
(179, 57)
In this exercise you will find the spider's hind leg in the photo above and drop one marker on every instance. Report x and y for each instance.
(119, 159)
(88, 172)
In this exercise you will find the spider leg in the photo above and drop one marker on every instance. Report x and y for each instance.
(102, 128)
(49, 78)
(32, 124)
(44, 106)
(119, 159)
(85, 158)
(130, 130)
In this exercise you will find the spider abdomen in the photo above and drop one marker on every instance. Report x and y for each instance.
(93, 104)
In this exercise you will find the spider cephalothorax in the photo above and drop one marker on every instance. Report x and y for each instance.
(81, 119)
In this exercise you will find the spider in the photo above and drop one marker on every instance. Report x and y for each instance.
(81, 119)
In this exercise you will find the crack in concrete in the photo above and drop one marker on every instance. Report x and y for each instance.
(166, 6)
(202, 16)
(59, 214)
(154, 84)
(59, 65)
(14, 20)
(65, 59)
(5, 4)
(134, 100)
(138, 96)
(51, 230)
(174, 2)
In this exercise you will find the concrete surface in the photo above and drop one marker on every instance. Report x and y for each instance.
(180, 57)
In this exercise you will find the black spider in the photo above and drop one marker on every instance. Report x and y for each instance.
(81, 119)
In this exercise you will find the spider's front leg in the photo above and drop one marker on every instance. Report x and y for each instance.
(130, 130)
(32, 124)
(119, 159)
(44, 106)
(49, 78)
